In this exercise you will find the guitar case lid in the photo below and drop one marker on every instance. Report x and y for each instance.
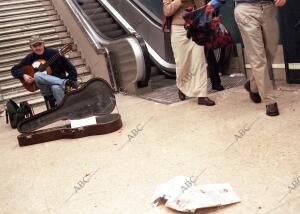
(95, 98)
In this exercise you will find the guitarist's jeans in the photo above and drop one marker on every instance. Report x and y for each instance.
(50, 85)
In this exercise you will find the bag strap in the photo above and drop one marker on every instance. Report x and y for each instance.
(24, 106)
(11, 105)
(167, 23)
(6, 114)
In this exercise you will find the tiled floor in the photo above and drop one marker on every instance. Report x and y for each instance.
(108, 174)
(166, 92)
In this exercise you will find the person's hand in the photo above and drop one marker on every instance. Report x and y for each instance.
(209, 8)
(280, 3)
(27, 78)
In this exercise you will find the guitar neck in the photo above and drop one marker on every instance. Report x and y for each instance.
(51, 60)
(62, 51)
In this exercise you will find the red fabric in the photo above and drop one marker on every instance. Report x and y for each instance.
(206, 30)
(220, 38)
(167, 24)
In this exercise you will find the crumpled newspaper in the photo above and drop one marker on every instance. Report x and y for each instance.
(176, 194)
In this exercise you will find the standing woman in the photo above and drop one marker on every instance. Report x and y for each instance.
(191, 67)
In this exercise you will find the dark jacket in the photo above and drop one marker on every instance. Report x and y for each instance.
(59, 67)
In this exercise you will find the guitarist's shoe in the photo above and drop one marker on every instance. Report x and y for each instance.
(72, 84)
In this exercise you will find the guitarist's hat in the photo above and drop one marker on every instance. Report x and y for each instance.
(35, 39)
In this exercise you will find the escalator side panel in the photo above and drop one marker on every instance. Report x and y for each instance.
(150, 32)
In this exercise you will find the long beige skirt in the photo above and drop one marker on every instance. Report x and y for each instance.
(191, 67)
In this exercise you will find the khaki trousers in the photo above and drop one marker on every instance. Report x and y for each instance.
(191, 67)
(1, 109)
(259, 30)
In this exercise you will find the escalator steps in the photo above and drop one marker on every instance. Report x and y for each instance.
(89, 6)
(116, 33)
(96, 15)
(95, 11)
(104, 22)
(110, 27)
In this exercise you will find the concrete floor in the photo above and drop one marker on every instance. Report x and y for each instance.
(179, 139)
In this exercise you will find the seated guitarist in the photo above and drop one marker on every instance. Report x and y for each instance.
(55, 84)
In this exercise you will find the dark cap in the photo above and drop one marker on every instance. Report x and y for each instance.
(35, 39)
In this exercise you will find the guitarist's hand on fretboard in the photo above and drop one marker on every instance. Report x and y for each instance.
(27, 78)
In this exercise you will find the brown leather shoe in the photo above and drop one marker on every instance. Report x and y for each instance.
(72, 84)
(205, 101)
(272, 109)
(181, 95)
(255, 97)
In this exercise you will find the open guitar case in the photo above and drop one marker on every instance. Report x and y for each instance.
(95, 98)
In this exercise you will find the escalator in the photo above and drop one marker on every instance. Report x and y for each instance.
(133, 57)
(145, 17)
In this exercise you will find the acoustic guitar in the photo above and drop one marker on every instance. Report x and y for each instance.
(42, 66)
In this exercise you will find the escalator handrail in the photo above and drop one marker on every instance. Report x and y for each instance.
(148, 12)
(159, 61)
